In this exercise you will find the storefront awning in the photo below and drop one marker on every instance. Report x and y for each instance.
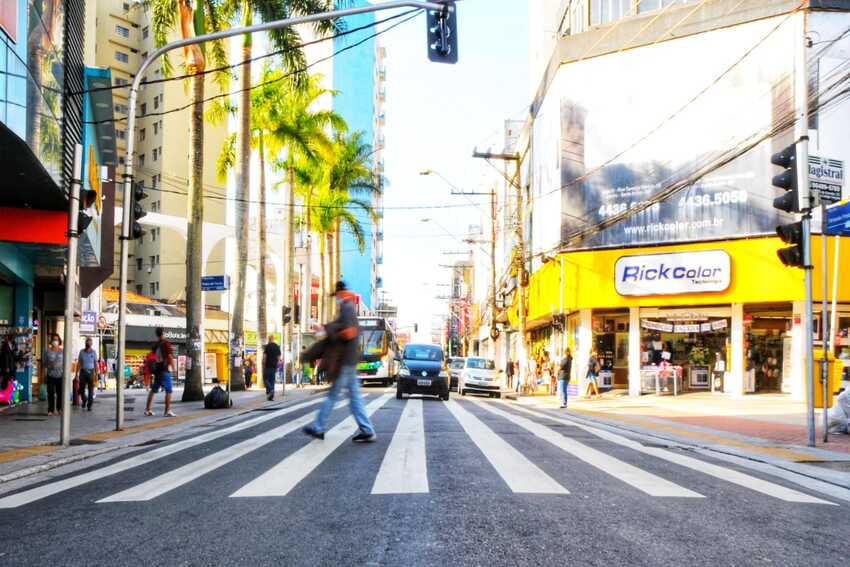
(25, 183)
(215, 336)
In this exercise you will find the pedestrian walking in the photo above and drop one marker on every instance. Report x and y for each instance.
(565, 366)
(509, 373)
(340, 358)
(162, 367)
(101, 375)
(248, 369)
(86, 370)
(593, 369)
(7, 361)
(271, 358)
(53, 374)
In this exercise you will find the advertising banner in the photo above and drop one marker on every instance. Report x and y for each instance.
(88, 322)
(634, 125)
(674, 273)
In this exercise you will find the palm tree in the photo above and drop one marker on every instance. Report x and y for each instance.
(351, 174)
(192, 19)
(288, 42)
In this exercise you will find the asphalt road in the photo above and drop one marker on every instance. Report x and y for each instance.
(509, 488)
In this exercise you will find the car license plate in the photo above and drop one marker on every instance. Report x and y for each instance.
(423, 382)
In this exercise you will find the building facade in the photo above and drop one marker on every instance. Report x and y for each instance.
(646, 170)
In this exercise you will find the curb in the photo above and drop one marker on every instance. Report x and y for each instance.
(36, 469)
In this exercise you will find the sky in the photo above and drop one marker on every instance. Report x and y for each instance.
(435, 115)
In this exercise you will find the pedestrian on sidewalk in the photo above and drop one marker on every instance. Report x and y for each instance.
(340, 358)
(565, 366)
(593, 369)
(53, 374)
(101, 375)
(86, 370)
(163, 366)
(7, 361)
(271, 358)
(509, 373)
(248, 370)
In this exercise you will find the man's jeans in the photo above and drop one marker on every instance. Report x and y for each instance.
(347, 379)
(562, 391)
(269, 379)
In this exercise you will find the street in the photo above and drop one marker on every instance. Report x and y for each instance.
(471, 481)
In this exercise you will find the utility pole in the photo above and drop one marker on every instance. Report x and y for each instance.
(494, 332)
(71, 294)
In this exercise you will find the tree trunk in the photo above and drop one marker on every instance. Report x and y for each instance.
(262, 326)
(307, 304)
(243, 180)
(194, 387)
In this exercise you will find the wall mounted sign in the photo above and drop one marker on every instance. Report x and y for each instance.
(700, 271)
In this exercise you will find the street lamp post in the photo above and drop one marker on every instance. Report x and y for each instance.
(131, 124)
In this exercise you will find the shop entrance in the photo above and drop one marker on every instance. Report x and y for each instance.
(611, 342)
(767, 348)
(683, 352)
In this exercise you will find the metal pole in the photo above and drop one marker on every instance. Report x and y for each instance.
(801, 97)
(520, 287)
(131, 124)
(70, 295)
(230, 340)
(834, 290)
(824, 339)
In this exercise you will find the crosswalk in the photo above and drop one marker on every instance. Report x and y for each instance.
(404, 457)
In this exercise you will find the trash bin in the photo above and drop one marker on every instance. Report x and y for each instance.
(835, 367)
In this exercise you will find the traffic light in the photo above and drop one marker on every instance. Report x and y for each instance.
(791, 234)
(442, 34)
(787, 180)
(287, 314)
(136, 211)
(87, 199)
(416, 327)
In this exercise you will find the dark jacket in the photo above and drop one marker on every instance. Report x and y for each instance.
(345, 321)
(7, 361)
(565, 367)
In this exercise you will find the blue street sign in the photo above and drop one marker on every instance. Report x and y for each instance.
(838, 219)
(215, 283)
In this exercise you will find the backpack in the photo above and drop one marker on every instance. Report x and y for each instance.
(217, 399)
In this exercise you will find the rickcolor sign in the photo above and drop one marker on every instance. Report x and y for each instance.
(674, 273)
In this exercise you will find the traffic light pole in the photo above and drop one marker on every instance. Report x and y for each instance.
(826, 340)
(131, 124)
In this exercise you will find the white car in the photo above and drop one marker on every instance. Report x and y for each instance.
(479, 376)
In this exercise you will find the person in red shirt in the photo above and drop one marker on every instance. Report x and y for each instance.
(163, 366)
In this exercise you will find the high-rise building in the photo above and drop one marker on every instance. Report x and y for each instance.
(158, 259)
(359, 77)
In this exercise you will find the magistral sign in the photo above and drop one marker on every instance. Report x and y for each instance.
(699, 271)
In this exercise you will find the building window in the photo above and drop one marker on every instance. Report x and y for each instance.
(145, 111)
(145, 33)
(139, 264)
(120, 81)
(122, 31)
(140, 289)
(122, 57)
(142, 139)
(121, 109)
(154, 288)
(156, 131)
(122, 160)
(127, 9)
(157, 259)
(153, 261)
(156, 156)
(156, 105)
(142, 164)
(145, 55)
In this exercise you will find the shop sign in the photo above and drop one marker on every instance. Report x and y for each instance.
(88, 322)
(673, 273)
(657, 326)
(838, 220)
(690, 328)
(826, 178)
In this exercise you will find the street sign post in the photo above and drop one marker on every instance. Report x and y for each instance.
(220, 283)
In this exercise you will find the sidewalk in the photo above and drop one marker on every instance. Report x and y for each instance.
(768, 425)
(29, 438)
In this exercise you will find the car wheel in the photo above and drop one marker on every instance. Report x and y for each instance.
(445, 397)
(497, 396)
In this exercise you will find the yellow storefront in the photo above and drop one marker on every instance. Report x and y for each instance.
(733, 299)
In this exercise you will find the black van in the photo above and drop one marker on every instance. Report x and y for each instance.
(422, 372)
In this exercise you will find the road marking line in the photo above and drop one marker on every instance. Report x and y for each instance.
(646, 482)
(284, 476)
(27, 496)
(175, 478)
(404, 469)
(728, 475)
(520, 474)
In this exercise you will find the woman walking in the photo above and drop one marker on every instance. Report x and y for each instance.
(593, 376)
(54, 373)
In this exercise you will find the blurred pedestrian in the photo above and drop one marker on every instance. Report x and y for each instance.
(509, 373)
(86, 370)
(54, 374)
(7, 361)
(247, 369)
(593, 368)
(565, 366)
(271, 358)
(163, 366)
(101, 375)
(340, 359)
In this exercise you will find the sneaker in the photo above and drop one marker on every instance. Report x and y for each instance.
(312, 432)
(169, 414)
(148, 413)
(50, 414)
(364, 437)
(270, 397)
(89, 408)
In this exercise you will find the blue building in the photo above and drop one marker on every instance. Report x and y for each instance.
(355, 77)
